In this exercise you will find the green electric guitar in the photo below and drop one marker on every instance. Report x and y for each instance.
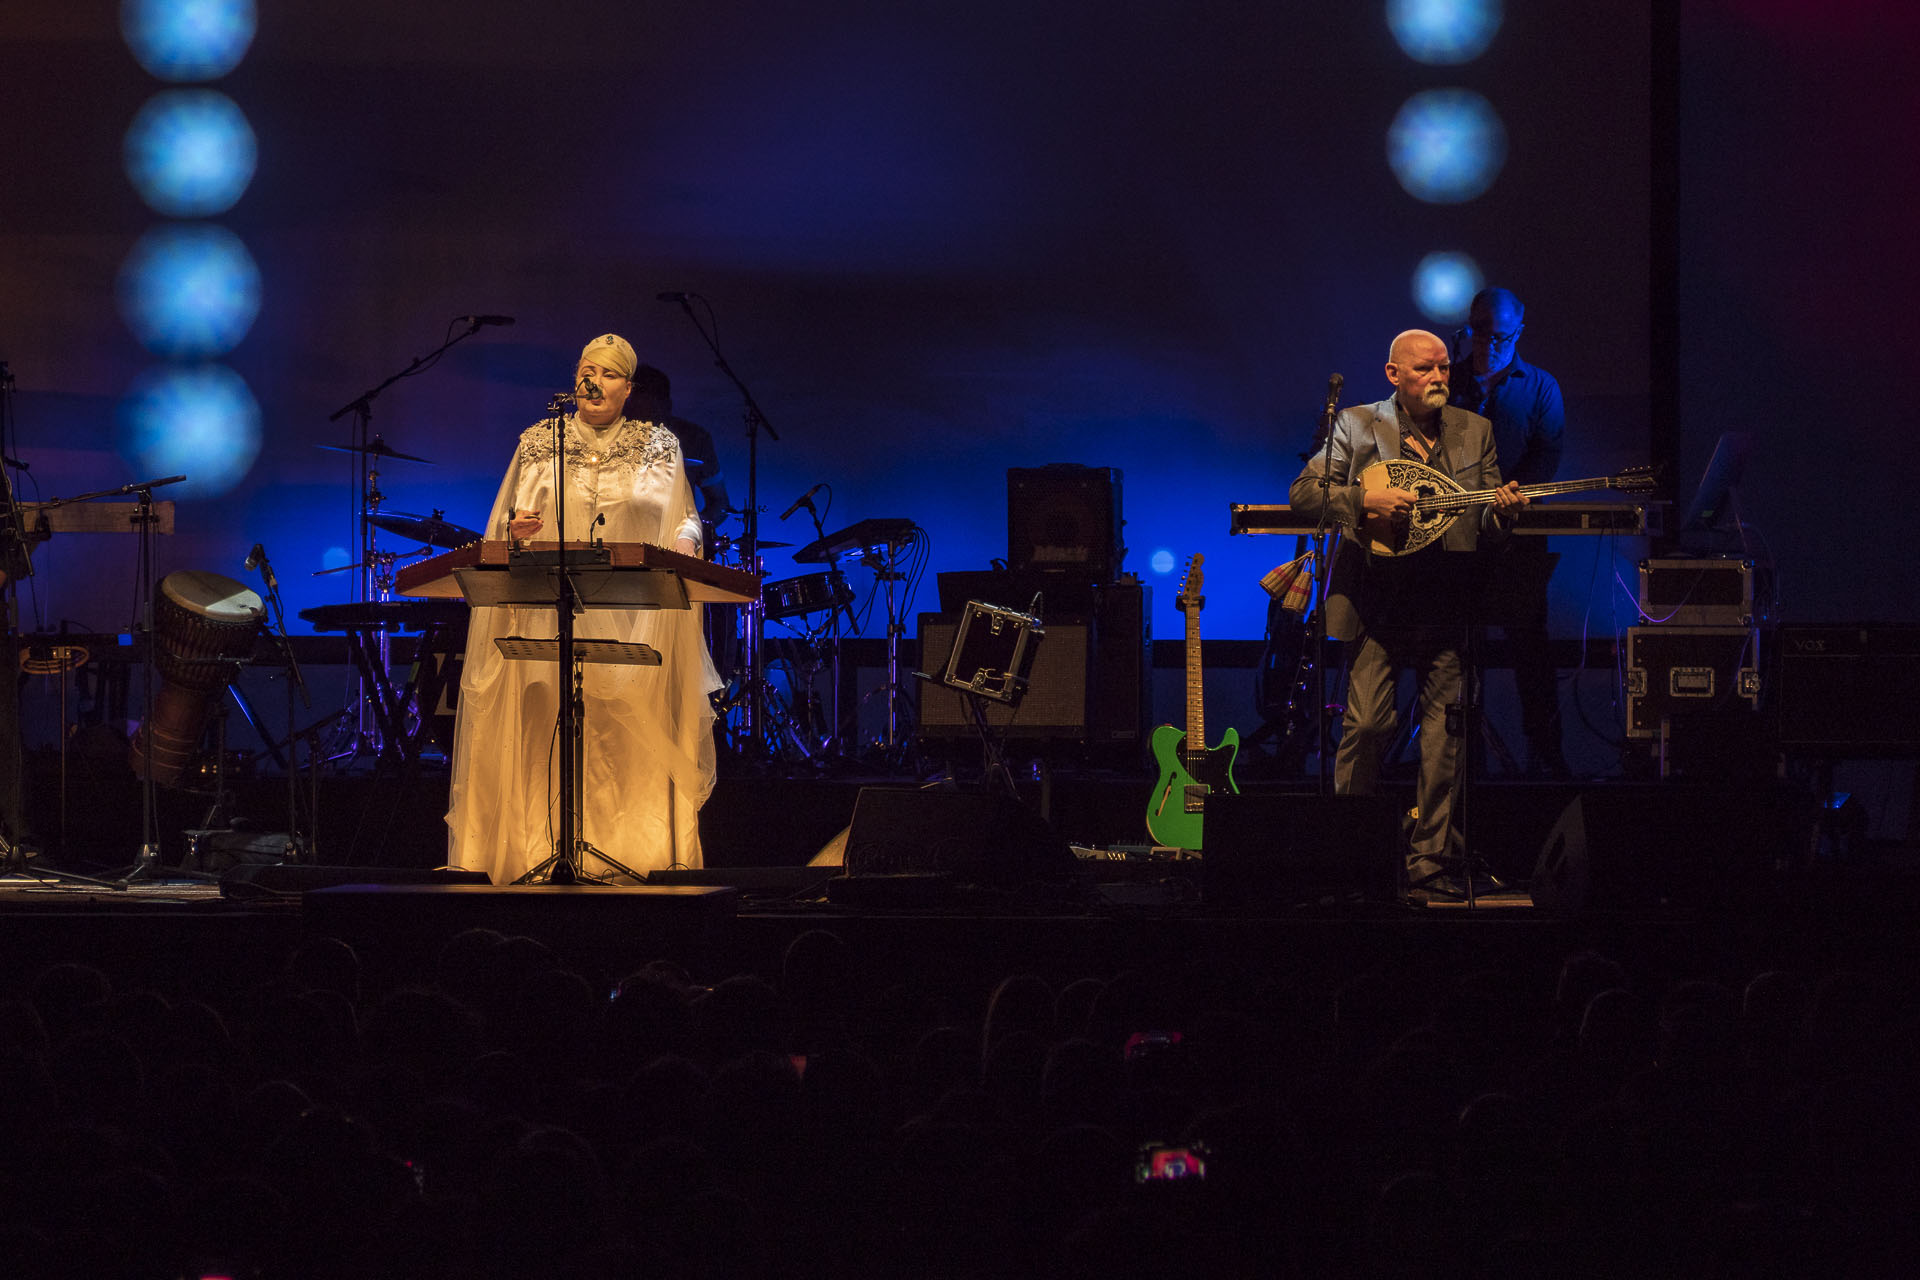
(1189, 769)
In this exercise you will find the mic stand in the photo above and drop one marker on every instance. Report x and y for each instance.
(367, 498)
(147, 865)
(562, 866)
(1323, 577)
(754, 612)
(295, 683)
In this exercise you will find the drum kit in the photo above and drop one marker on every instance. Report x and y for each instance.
(817, 611)
(376, 731)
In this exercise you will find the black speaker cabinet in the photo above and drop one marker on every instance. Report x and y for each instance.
(977, 837)
(1849, 689)
(1065, 516)
(1669, 844)
(1090, 681)
(1290, 850)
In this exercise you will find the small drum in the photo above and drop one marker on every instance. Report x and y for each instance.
(202, 622)
(809, 593)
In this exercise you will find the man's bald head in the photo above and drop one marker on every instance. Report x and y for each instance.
(1397, 351)
(1418, 368)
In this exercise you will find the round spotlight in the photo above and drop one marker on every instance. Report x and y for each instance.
(1162, 561)
(201, 421)
(1446, 145)
(183, 41)
(190, 153)
(189, 291)
(1444, 285)
(1444, 33)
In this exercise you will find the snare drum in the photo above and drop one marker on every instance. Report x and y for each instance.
(201, 623)
(809, 593)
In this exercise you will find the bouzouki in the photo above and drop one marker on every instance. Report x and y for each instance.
(1438, 500)
(1189, 769)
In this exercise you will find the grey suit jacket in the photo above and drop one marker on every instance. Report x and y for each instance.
(1362, 436)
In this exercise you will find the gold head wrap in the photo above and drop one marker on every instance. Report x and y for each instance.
(611, 352)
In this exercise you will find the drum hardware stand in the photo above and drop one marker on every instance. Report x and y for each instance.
(885, 564)
(755, 729)
(837, 742)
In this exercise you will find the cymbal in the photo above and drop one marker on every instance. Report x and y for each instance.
(431, 530)
(764, 543)
(880, 533)
(377, 449)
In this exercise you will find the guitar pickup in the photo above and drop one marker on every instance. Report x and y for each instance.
(1196, 797)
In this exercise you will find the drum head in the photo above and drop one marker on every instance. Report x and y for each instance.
(211, 595)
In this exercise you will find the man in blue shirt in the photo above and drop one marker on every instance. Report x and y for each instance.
(1523, 402)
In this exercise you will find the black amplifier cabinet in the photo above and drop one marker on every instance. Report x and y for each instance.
(1065, 516)
(1689, 672)
(1848, 689)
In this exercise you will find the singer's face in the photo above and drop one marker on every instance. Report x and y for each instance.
(604, 408)
(1419, 373)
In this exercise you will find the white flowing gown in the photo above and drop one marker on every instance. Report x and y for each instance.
(648, 741)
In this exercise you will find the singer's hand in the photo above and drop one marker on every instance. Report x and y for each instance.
(525, 525)
(1387, 504)
(686, 546)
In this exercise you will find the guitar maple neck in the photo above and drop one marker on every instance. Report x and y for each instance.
(1196, 715)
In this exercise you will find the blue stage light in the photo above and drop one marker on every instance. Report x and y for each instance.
(189, 291)
(1444, 285)
(1162, 561)
(1446, 145)
(184, 41)
(190, 153)
(1444, 32)
(200, 421)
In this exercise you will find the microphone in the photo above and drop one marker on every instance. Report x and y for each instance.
(1333, 394)
(588, 388)
(257, 559)
(804, 500)
(15, 463)
(477, 321)
(673, 297)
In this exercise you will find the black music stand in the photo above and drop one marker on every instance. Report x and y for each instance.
(991, 660)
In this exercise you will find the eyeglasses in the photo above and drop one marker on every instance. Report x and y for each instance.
(1496, 339)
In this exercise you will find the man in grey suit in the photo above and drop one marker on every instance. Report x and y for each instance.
(1406, 611)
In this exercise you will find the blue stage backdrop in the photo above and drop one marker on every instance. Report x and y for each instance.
(939, 241)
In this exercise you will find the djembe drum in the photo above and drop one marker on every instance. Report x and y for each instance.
(202, 624)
